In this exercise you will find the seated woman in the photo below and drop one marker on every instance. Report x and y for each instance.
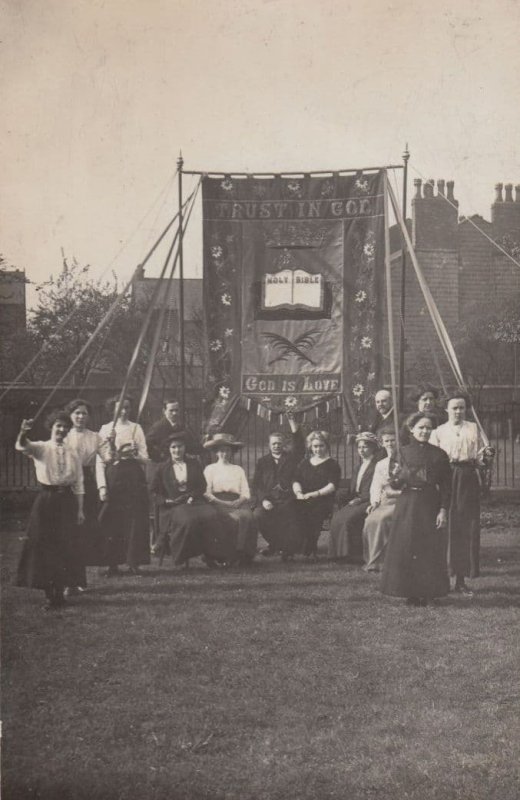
(228, 490)
(382, 503)
(49, 555)
(315, 482)
(186, 520)
(124, 516)
(346, 527)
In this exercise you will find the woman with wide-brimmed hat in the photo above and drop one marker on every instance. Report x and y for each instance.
(346, 527)
(191, 526)
(228, 490)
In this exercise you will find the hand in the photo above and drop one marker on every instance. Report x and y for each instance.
(111, 436)
(372, 507)
(301, 496)
(81, 517)
(355, 502)
(135, 451)
(489, 452)
(189, 501)
(26, 425)
(168, 502)
(267, 505)
(103, 494)
(442, 519)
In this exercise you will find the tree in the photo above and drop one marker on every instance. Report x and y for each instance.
(68, 312)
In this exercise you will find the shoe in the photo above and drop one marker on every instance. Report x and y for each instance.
(464, 590)
(413, 601)
(73, 591)
(112, 572)
(267, 552)
(134, 572)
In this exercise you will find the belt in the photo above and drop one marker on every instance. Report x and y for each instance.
(416, 488)
(57, 489)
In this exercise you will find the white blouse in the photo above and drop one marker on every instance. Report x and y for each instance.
(380, 480)
(227, 478)
(86, 444)
(127, 432)
(460, 442)
(55, 464)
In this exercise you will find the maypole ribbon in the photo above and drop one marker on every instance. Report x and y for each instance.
(145, 325)
(438, 323)
(157, 336)
(389, 308)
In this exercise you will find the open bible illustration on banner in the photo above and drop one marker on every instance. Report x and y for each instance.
(293, 281)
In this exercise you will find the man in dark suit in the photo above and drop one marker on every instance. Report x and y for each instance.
(160, 432)
(275, 510)
(384, 416)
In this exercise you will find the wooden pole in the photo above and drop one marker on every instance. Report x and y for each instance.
(402, 340)
(180, 164)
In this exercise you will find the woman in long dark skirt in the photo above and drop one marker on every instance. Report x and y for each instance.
(124, 516)
(49, 559)
(415, 564)
(186, 520)
(123, 492)
(315, 482)
(86, 444)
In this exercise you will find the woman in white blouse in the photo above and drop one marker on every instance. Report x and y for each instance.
(124, 517)
(87, 445)
(461, 440)
(49, 558)
(228, 490)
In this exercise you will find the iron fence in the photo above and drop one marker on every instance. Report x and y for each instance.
(501, 422)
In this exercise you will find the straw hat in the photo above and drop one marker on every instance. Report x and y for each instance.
(178, 436)
(220, 439)
(367, 436)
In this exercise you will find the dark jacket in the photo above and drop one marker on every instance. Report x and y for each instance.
(157, 440)
(274, 481)
(166, 486)
(366, 482)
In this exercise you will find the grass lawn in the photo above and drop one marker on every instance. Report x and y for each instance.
(291, 682)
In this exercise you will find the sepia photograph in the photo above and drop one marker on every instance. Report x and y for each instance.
(260, 400)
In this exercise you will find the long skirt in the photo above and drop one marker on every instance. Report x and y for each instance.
(415, 561)
(194, 530)
(243, 525)
(311, 516)
(464, 522)
(124, 518)
(376, 532)
(280, 527)
(346, 532)
(49, 555)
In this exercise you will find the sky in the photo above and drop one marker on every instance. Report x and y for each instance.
(100, 96)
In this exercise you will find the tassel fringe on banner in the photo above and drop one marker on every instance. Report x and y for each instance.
(309, 415)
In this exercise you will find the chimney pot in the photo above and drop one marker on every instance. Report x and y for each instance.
(509, 193)
(428, 188)
(440, 187)
(417, 182)
(517, 192)
(498, 190)
(449, 186)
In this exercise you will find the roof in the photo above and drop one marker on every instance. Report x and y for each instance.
(143, 289)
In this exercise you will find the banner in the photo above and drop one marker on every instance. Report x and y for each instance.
(293, 277)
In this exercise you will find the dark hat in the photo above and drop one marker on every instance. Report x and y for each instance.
(219, 439)
(368, 437)
(177, 436)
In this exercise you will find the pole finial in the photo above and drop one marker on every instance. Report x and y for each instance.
(406, 153)
(180, 161)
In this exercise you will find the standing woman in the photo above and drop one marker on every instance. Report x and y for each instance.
(426, 398)
(415, 562)
(124, 517)
(228, 490)
(461, 441)
(86, 444)
(48, 560)
(315, 482)
(346, 527)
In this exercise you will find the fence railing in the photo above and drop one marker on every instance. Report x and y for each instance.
(501, 422)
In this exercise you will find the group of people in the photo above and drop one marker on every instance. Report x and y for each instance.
(412, 515)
